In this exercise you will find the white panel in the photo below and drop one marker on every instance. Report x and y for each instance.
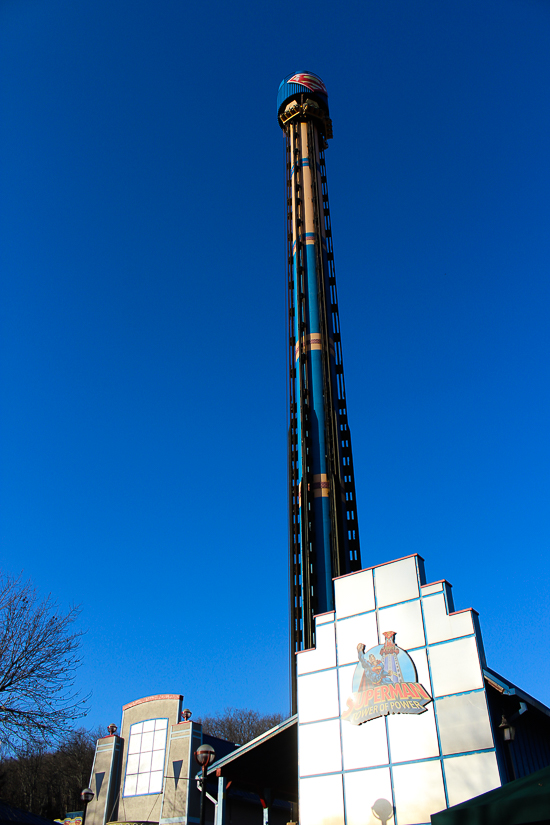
(319, 749)
(155, 786)
(318, 696)
(161, 724)
(364, 746)
(159, 740)
(147, 742)
(469, 776)
(440, 626)
(455, 667)
(396, 582)
(351, 632)
(145, 762)
(363, 788)
(419, 792)
(322, 801)
(149, 725)
(132, 764)
(135, 743)
(142, 784)
(345, 677)
(420, 659)
(130, 785)
(137, 728)
(413, 737)
(354, 594)
(157, 763)
(323, 618)
(406, 620)
(437, 587)
(324, 653)
(464, 723)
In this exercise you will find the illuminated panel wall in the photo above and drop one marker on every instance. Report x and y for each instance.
(421, 762)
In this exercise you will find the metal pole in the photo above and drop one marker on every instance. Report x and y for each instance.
(203, 796)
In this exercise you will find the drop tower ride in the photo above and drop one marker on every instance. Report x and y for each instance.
(324, 537)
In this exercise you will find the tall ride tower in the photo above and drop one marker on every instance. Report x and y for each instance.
(324, 538)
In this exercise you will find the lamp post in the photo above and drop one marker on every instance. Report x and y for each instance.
(382, 810)
(509, 732)
(86, 796)
(204, 756)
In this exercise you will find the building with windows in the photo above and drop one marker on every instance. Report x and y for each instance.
(148, 774)
(396, 714)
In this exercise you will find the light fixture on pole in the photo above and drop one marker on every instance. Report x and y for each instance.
(86, 796)
(204, 756)
(382, 810)
(508, 730)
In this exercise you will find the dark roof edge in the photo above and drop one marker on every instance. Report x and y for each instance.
(263, 737)
(505, 686)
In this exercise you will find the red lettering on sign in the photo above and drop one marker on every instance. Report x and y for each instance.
(387, 692)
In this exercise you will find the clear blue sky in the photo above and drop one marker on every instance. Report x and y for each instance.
(143, 329)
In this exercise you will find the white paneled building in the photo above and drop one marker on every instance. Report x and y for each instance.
(396, 703)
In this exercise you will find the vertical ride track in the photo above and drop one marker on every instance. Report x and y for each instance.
(324, 539)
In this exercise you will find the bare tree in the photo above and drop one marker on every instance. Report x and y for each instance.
(239, 725)
(38, 661)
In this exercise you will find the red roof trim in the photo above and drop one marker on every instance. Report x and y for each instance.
(153, 699)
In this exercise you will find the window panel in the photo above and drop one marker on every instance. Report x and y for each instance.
(437, 587)
(135, 743)
(142, 784)
(364, 746)
(323, 654)
(319, 749)
(396, 582)
(440, 626)
(412, 736)
(455, 667)
(157, 763)
(155, 785)
(419, 792)
(406, 621)
(464, 723)
(147, 741)
(145, 761)
(350, 632)
(130, 785)
(469, 776)
(318, 696)
(322, 801)
(132, 764)
(363, 788)
(354, 594)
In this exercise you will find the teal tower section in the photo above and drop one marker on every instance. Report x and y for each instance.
(324, 537)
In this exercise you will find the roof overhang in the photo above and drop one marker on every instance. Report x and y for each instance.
(268, 763)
